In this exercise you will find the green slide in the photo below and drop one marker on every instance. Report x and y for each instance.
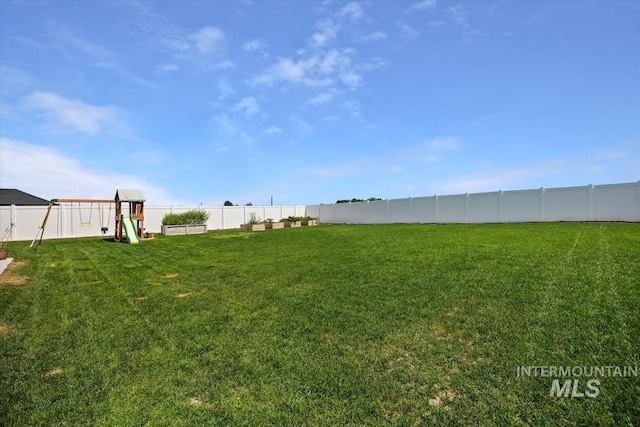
(130, 229)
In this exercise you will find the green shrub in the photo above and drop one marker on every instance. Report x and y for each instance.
(194, 216)
(253, 219)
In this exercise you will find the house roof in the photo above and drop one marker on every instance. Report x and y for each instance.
(129, 195)
(11, 196)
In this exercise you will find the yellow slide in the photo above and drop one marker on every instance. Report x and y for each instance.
(130, 229)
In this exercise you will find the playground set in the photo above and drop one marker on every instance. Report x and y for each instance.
(129, 222)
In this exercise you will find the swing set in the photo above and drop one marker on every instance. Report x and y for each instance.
(104, 221)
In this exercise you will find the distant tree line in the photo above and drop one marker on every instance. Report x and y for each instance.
(229, 203)
(370, 199)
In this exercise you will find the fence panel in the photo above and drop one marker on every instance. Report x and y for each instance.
(378, 212)
(484, 207)
(451, 208)
(359, 212)
(521, 206)
(400, 210)
(423, 209)
(616, 202)
(566, 204)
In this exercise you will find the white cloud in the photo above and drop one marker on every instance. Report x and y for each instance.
(445, 143)
(222, 65)
(71, 115)
(248, 105)
(225, 90)
(14, 78)
(167, 68)
(407, 31)
(50, 174)
(351, 79)
(322, 98)
(315, 71)
(208, 39)
(288, 70)
(256, 44)
(272, 130)
(301, 126)
(458, 14)
(424, 5)
(352, 10)
(323, 37)
(373, 37)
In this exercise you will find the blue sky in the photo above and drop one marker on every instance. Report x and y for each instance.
(310, 102)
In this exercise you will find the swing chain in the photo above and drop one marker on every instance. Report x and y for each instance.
(82, 223)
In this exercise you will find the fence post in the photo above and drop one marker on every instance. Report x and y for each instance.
(349, 213)
(435, 208)
(466, 207)
(541, 203)
(13, 220)
(410, 210)
(638, 187)
(387, 211)
(590, 192)
(500, 206)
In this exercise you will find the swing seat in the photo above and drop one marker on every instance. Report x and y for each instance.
(104, 230)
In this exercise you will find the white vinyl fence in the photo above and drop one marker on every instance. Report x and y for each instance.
(613, 202)
(86, 220)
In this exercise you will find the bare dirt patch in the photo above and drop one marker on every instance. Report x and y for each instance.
(194, 401)
(5, 330)
(170, 276)
(52, 265)
(54, 372)
(441, 396)
(184, 295)
(142, 298)
(10, 276)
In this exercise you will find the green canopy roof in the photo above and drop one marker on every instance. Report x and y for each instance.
(129, 195)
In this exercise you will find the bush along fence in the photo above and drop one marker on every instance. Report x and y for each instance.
(190, 222)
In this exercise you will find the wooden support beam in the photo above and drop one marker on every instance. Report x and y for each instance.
(82, 201)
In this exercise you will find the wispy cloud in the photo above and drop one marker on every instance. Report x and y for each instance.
(222, 65)
(248, 106)
(49, 174)
(315, 71)
(224, 89)
(445, 143)
(423, 5)
(272, 130)
(167, 68)
(208, 39)
(373, 37)
(70, 115)
(352, 10)
(324, 37)
(256, 45)
(14, 79)
(322, 98)
(406, 31)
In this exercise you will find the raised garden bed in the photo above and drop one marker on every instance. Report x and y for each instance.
(176, 230)
(253, 227)
(273, 225)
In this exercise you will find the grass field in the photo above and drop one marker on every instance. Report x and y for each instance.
(322, 326)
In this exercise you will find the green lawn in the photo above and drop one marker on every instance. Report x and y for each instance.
(322, 326)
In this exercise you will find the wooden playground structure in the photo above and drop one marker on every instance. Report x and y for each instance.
(129, 222)
(126, 230)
